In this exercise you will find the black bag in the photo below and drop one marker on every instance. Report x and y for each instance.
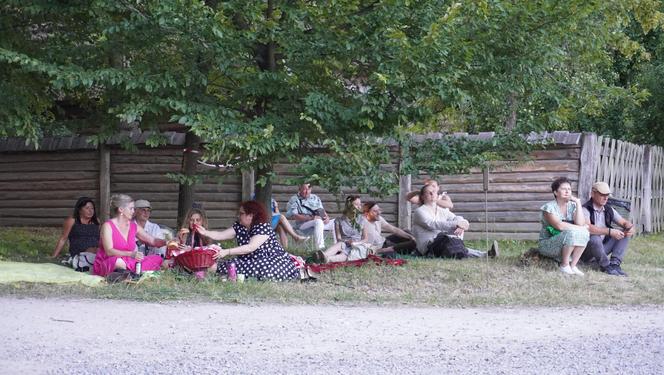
(317, 212)
(444, 246)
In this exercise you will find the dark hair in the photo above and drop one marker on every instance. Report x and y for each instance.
(367, 206)
(559, 181)
(257, 209)
(420, 196)
(82, 201)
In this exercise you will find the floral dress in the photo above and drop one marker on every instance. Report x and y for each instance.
(268, 262)
(551, 246)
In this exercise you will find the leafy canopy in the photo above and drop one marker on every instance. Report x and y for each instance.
(262, 81)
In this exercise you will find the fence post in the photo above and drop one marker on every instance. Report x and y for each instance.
(587, 165)
(646, 190)
(403, 204)
(248, 184)
(104, 182)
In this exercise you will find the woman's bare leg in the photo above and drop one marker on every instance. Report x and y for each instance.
(283, 238)
(567, 250)
(120, 264)
(576, 255)
(286, 226)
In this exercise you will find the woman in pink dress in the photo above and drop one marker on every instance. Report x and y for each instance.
(117, 247)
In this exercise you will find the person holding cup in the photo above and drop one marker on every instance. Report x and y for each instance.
(189, 237)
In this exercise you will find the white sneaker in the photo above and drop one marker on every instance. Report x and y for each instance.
(577, 271)
(567, 270)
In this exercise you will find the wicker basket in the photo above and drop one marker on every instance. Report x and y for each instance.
(196, 260)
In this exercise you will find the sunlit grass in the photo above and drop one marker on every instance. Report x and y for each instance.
(504, 281)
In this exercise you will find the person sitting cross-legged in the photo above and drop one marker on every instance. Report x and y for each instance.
(605, 239)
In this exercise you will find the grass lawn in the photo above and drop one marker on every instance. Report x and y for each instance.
(504, 281)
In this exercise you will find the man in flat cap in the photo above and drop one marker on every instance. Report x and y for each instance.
(142, 217)
(609, 232)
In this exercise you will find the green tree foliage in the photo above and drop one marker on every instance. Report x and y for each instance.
(264, 80)
(642, 120)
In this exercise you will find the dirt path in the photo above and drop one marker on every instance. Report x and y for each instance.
(101, 337)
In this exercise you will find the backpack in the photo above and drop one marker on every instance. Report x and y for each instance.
(82, 262)
(444, 246)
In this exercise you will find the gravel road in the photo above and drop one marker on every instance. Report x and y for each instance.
(56, 336)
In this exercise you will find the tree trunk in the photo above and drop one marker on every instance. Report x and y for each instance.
(510, 122)
(264, 193)
(266, 58)
(186, 190)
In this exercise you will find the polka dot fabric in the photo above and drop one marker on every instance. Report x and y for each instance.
(268, 262)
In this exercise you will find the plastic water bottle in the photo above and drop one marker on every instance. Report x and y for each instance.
(232, 272)
(138, 268)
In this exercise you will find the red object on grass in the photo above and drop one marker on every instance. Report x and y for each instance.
(196, 260)
(357, 263)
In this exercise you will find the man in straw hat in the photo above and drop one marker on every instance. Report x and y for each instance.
(609, 232)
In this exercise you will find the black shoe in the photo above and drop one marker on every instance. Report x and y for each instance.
(493, 252)
(616, 267)
(610, 269)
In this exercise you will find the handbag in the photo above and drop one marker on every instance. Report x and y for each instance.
(83, 261)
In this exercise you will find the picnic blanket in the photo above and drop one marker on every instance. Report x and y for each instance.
(371, 259)
(13, 272)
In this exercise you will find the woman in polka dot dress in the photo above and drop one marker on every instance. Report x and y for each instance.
(259, 254)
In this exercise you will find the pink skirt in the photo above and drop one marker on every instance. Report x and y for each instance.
(103, 267)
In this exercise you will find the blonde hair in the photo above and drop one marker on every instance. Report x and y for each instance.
(118, 201)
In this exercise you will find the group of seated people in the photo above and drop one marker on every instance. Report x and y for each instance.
(590, 232)
(129, 238)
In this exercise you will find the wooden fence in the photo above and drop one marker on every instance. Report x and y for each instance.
(634, 173)
(38, 188)
(656, 207)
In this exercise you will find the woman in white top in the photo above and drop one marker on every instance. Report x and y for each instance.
(430, 221)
